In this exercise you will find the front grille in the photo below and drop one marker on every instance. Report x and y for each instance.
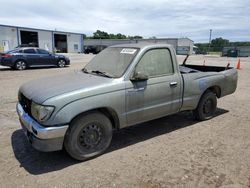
(25, 102)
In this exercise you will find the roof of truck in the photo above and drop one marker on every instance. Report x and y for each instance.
(142, 45)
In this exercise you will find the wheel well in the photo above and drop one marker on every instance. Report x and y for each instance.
(61, 58)
(21, 60)
(216, 90)
(110, 113)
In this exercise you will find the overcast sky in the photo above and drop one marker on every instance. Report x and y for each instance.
(229, 19)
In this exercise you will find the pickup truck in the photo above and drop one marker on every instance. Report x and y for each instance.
(122, 86)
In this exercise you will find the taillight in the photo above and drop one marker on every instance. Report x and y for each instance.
(6, 55)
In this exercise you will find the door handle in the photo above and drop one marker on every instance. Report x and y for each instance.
(173, 84)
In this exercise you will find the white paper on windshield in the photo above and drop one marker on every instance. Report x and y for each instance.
(128, 51)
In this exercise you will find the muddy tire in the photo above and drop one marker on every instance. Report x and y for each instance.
(206, 107)
(88, 136)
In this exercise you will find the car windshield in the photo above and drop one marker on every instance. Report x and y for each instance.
(112, 61)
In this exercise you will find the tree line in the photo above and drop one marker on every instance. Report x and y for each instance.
(104, 35)
(217, 45)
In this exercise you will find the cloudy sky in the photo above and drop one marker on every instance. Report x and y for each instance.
(229, 19)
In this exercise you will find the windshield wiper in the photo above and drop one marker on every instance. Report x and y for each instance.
(102, 73)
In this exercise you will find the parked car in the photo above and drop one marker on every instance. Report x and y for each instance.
(198, 51)
(122, 86)
(22, 58)
(94, 49)
(232, 53)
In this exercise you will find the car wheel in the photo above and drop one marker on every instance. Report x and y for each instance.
(206, 107)
(20, 65)
(61, 63)
(88, 136)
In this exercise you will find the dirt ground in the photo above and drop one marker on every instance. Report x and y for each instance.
(174, 151)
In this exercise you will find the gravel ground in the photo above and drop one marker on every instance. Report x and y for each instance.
(174, 151)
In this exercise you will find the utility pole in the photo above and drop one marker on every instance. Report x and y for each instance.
(210, 36)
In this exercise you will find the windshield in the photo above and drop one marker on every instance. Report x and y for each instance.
(112, 61)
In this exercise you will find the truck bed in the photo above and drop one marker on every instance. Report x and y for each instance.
(198, 78)
(184, 69)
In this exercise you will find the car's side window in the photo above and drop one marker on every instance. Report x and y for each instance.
(29, 51)
(156, 62)
(41, 51)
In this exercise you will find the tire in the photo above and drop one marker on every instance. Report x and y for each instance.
(206, 107)
(20, 65)
(61, 63)
(88, 136)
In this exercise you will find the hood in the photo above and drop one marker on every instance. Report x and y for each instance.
(45, 88)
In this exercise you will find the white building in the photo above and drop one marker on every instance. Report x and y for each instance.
(57, 41)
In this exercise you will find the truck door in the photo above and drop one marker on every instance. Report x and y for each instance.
(158, 96)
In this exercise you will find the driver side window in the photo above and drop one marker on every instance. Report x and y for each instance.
(156, 62)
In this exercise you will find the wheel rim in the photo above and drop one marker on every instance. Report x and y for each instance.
(208, 107)
(61, 63)
(90, 137)
(20, 65)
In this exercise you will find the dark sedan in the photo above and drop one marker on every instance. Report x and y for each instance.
(23, 58)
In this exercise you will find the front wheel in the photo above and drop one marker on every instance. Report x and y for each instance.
(88, 136)
(61, 63)
(206, 107)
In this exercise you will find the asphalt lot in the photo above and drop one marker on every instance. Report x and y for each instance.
(174, 151)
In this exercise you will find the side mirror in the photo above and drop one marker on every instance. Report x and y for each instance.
(139, 76)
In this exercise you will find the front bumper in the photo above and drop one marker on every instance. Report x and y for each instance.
(41, 138)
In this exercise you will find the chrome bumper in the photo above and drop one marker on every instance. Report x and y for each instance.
(38, 130)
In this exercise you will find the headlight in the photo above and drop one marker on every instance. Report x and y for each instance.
(40, 112)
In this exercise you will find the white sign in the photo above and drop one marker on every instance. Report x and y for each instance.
(6, 46)
(128, 51)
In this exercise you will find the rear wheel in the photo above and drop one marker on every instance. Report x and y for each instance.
(61, 63)
(206, 107)
(20, 65)
(88, 136)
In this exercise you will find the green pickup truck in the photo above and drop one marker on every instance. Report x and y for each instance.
(122, 86)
